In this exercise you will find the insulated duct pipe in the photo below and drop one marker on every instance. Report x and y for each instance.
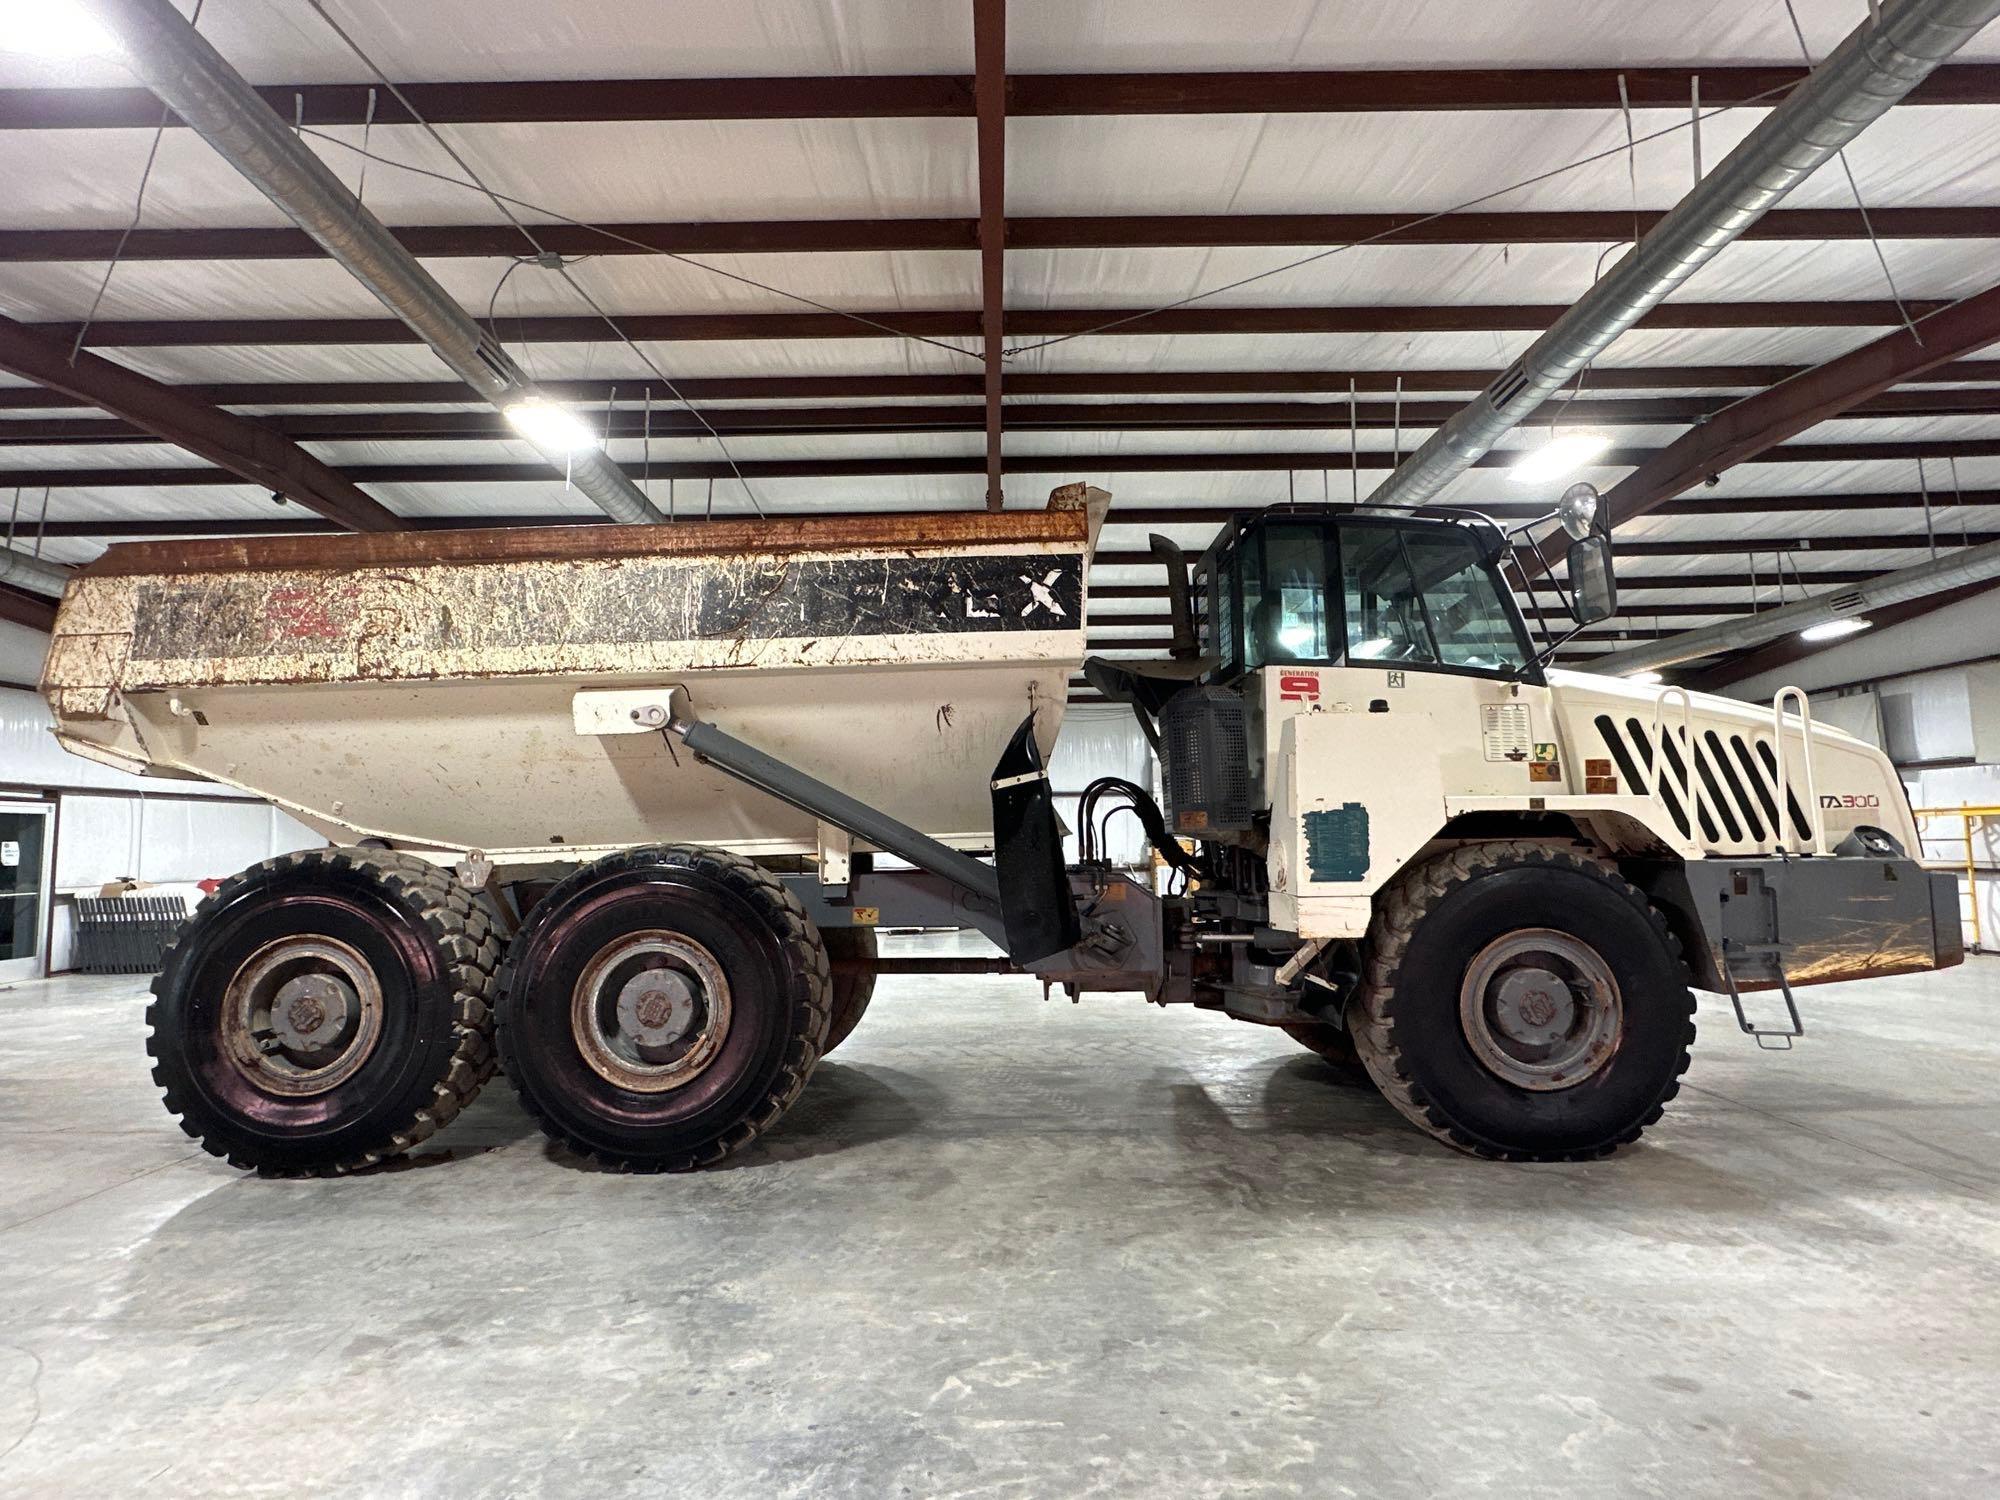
(1873, 69)
(1971, 566)
(195, 81)
(31, 573)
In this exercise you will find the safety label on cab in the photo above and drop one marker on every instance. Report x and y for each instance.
(1503, 730)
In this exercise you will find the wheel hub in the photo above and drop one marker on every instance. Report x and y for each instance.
(1541, 1009)
(651, 1010)
(301, 1014)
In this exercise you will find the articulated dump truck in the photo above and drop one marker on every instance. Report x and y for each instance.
(619, 809)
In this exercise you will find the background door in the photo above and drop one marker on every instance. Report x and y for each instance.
(24, 888)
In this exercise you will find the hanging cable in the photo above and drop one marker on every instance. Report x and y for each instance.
(138, 210)
(1881, 255)
(1396, 230)
(561, 270)
(618, 237)
(367, 129)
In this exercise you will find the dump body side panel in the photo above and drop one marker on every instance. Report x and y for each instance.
(418, 687)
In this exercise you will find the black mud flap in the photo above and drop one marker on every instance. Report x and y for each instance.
(1035, 902)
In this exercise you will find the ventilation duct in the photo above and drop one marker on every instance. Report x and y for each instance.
(1858, 82)
(194, 80)
(1957, 570)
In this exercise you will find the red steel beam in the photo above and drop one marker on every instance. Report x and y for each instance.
(989, 93)
(1044, 416)
(893, 467)
(1035, 322)
(19, 607)
(245, 449)
(1024, 383)
(1739, 433)
(1070, 232)
(1386, 90)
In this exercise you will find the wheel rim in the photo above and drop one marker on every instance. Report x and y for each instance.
(1541, 1009)
(651, 1011)
(301, 1015)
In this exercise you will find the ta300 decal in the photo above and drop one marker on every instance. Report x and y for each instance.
(1833, 800)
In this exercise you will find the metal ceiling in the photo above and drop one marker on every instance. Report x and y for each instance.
(831, 151)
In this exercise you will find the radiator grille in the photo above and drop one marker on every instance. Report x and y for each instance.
(1738, 775)
(1205, 761)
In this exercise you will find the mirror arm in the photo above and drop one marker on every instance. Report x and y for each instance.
(1179, 605)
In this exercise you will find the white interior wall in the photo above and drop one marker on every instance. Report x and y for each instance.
(111, 826)
(1101, 739)
(1923, 719)
(21, 653)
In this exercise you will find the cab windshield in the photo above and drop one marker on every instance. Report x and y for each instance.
(1413, 595)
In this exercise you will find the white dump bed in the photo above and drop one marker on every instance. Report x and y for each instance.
(419, 686)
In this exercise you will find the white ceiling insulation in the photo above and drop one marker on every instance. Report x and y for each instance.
(1408, 163)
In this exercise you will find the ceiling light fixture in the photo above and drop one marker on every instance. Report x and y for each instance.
(1833, 630)
(1557, 457)
(549, 425)
(52, 28)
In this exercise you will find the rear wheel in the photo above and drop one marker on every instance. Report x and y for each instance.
(853, 951)
(661, 1007)
(325, 1010)
(1523, 1002)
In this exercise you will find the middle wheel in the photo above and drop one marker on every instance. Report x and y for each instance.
(661, 1007)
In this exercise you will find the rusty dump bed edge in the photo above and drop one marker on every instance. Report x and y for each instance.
(912, 530)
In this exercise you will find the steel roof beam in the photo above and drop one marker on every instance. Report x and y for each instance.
(1746, 429)
(950, 96)
(989, 92)
(1075, 232)
(1025, 383)
(1029, 322)
(247, 450)
(1042, 416)
(889, 467)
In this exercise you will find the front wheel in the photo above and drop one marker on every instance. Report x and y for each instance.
(1523, 1002)
(661, 1007)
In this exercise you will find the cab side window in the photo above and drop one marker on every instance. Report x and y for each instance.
(1289, 620)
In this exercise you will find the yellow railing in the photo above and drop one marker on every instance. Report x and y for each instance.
(1967, 816)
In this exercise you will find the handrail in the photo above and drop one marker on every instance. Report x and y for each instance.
(1966, 815)
(1690, 770)
(1816, 820)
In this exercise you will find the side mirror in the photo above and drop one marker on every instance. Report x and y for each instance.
(1593, 588)
(1577, 510)
(1179, 606)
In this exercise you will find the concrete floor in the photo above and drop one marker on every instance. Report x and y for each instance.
(1003, 1248)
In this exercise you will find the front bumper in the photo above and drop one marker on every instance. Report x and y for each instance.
(1822, 919)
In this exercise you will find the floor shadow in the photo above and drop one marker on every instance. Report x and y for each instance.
(844, 1106)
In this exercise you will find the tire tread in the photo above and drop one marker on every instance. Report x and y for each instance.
(464, 937)
(1399, 910)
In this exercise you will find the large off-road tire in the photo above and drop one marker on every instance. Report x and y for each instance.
(325, 1010)
(661, 1007)
(1522, 1001)
(853, 984)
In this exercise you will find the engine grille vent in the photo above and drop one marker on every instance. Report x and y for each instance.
(1739, 782)
(1205, 761)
